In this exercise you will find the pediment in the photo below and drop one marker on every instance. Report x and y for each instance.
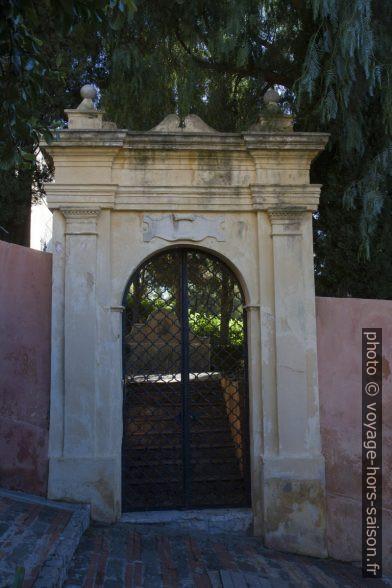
(192, 124)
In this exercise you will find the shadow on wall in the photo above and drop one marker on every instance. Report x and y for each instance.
(339, 340)
(25, 311)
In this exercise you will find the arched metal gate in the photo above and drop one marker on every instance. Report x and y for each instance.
(185, 441)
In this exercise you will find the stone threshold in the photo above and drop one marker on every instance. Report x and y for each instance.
(222, 520)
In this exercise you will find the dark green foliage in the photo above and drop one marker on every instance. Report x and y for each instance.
(30, 68)
(213, 58)
(339, 269)
(15, 204)
(346, 88)
(331, 59)
(47, 49)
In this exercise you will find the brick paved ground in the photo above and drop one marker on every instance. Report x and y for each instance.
(39, 536)
(27, 534)
(154, 557)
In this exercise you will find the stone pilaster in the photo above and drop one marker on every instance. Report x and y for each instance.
(80, 330)
(78, 473)
(294, 493)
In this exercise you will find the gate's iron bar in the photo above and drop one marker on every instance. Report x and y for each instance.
(185, 378)
(186, 438)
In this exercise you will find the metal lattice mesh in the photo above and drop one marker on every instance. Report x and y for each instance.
(185, 404)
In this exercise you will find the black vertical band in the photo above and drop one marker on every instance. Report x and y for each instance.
(184, 304)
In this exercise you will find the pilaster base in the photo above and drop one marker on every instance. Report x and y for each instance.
(87, 480)
(294, 505)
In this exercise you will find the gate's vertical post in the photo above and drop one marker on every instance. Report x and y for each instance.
(293, 477)
(294, 480)
(294, 484)
(72, 471)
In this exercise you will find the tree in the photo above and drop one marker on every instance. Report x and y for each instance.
(346, 83)
(331, 61)
(47, 49)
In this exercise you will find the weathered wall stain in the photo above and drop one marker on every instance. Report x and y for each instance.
(290, 498)
(386, 368)
(25, 311)
(23, 361)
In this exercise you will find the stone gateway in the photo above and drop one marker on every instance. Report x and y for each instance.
(183, 308)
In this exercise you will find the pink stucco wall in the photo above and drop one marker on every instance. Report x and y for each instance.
(25, 299)
(25, 310)
(339, 338)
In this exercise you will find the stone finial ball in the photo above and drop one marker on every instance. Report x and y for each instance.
(271, 95)
(88, 91)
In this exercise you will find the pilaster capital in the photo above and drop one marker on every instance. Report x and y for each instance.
(281, 214)
(287, 220)
(81, 221)
(80, 213)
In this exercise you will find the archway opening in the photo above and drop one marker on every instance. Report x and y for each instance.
(186, 431)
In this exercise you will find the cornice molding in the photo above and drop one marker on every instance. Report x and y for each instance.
(122, 138)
